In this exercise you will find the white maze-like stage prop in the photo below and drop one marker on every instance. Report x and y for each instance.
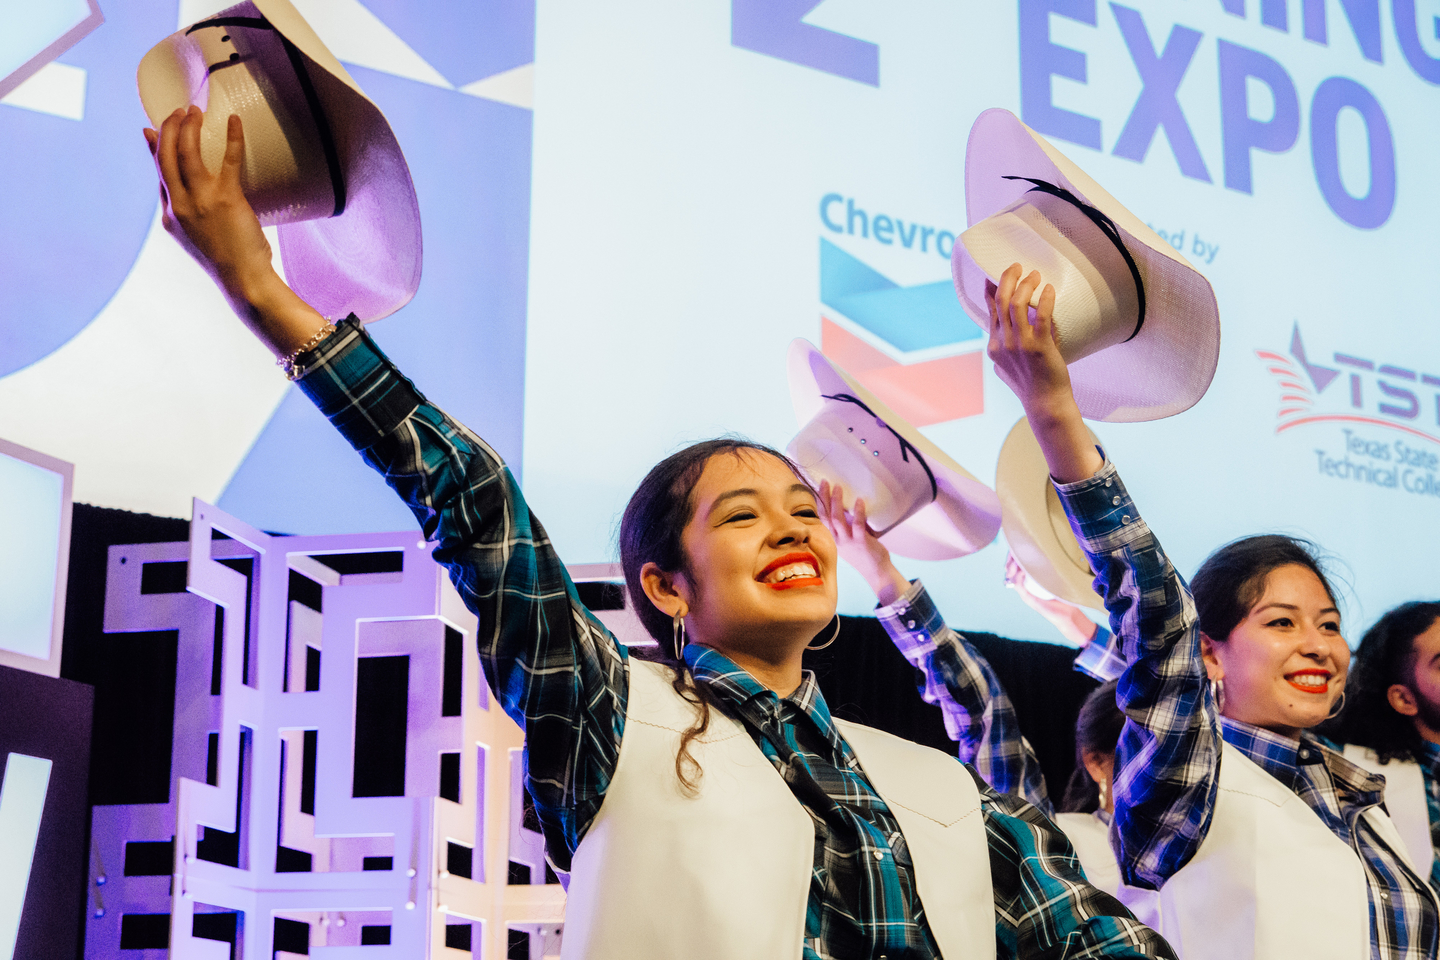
(299, 659)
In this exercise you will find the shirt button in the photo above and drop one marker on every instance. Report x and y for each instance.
(1109, 483)
(879, 854)
(1114, 501)
(1125, 518)
(910, 624)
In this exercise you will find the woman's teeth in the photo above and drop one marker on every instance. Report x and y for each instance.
(1313, 681)
(791, 572)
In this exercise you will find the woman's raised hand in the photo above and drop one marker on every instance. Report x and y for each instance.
(1065, 618)
(859, 546)
(1027, 358)
(208, 215)
(1023, 346)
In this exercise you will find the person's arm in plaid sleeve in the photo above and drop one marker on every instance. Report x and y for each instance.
(1044, 906)
(1170, 747)
(1168, 758)
(978, 713)
(554, 668)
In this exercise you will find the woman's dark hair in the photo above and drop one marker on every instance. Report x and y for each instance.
(1386, 656)
(1097, 731)
(1232, 579)
(650, 531)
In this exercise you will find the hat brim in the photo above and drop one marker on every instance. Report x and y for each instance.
(965, 515)
(1036, 527)
(1169, 364)
(367, 259)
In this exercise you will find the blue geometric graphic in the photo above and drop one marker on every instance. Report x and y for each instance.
(76, 202)
(907, 318)
(777, 28)
(462, 338)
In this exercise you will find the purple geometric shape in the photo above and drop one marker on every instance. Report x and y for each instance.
(1319, 376)
(462, 339)
(466, 40)
(53, 49)
(71, 228)
(777, 29)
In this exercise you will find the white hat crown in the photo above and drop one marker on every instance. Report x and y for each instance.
(849, 445)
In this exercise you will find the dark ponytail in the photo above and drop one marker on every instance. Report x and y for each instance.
(1097, 731)
(650, 532)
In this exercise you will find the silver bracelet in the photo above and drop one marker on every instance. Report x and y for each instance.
(294, 371)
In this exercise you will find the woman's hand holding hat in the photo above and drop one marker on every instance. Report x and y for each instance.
(1028, 360)
(1066, 618)
(859, 546)
(208, 215)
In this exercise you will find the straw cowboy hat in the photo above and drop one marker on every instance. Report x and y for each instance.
(922, 503)
(1137, 324)
(1035, 523)
(321, 162)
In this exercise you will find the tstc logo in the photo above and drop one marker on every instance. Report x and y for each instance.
(903, 343)
(1369, 392)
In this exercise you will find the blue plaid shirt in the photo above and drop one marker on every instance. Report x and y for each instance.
(1430, 766)
(559, 673)
(1169, 754)
(978, 713)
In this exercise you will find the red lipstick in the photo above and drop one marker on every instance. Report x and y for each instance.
(787, 560)
(1310, 688)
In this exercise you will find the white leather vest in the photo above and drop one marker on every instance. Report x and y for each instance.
(1090, 836)
(725, 874)
(1270, 881)
(1405, 799)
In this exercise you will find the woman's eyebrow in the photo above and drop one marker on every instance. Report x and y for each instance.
(731, 495)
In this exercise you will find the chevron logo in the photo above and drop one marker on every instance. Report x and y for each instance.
(887, 337)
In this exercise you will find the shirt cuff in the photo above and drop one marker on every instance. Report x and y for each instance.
(1102, 657)
(1101, 512)
(912, 621)
(356, 386)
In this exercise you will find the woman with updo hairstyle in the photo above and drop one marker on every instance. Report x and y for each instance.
(1262, 841)
(704, 803)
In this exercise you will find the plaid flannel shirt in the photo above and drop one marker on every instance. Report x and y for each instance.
(978, 713)
(1430, 767)
(561, 675)
(1169, 754)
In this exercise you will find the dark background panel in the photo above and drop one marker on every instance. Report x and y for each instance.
(50, 718)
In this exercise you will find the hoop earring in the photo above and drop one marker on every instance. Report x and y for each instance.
(1339, 705)
(677, 635)
(1217, 693)
(833, 636)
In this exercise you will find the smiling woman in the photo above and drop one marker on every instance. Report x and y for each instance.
(706, 805)
(1246, 823)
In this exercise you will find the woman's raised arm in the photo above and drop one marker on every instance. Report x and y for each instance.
(553, 667)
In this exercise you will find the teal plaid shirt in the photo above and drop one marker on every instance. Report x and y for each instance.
(560, 674)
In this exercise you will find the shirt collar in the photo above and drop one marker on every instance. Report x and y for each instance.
(1429, 755)
(1283, 757)
(733, 685)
